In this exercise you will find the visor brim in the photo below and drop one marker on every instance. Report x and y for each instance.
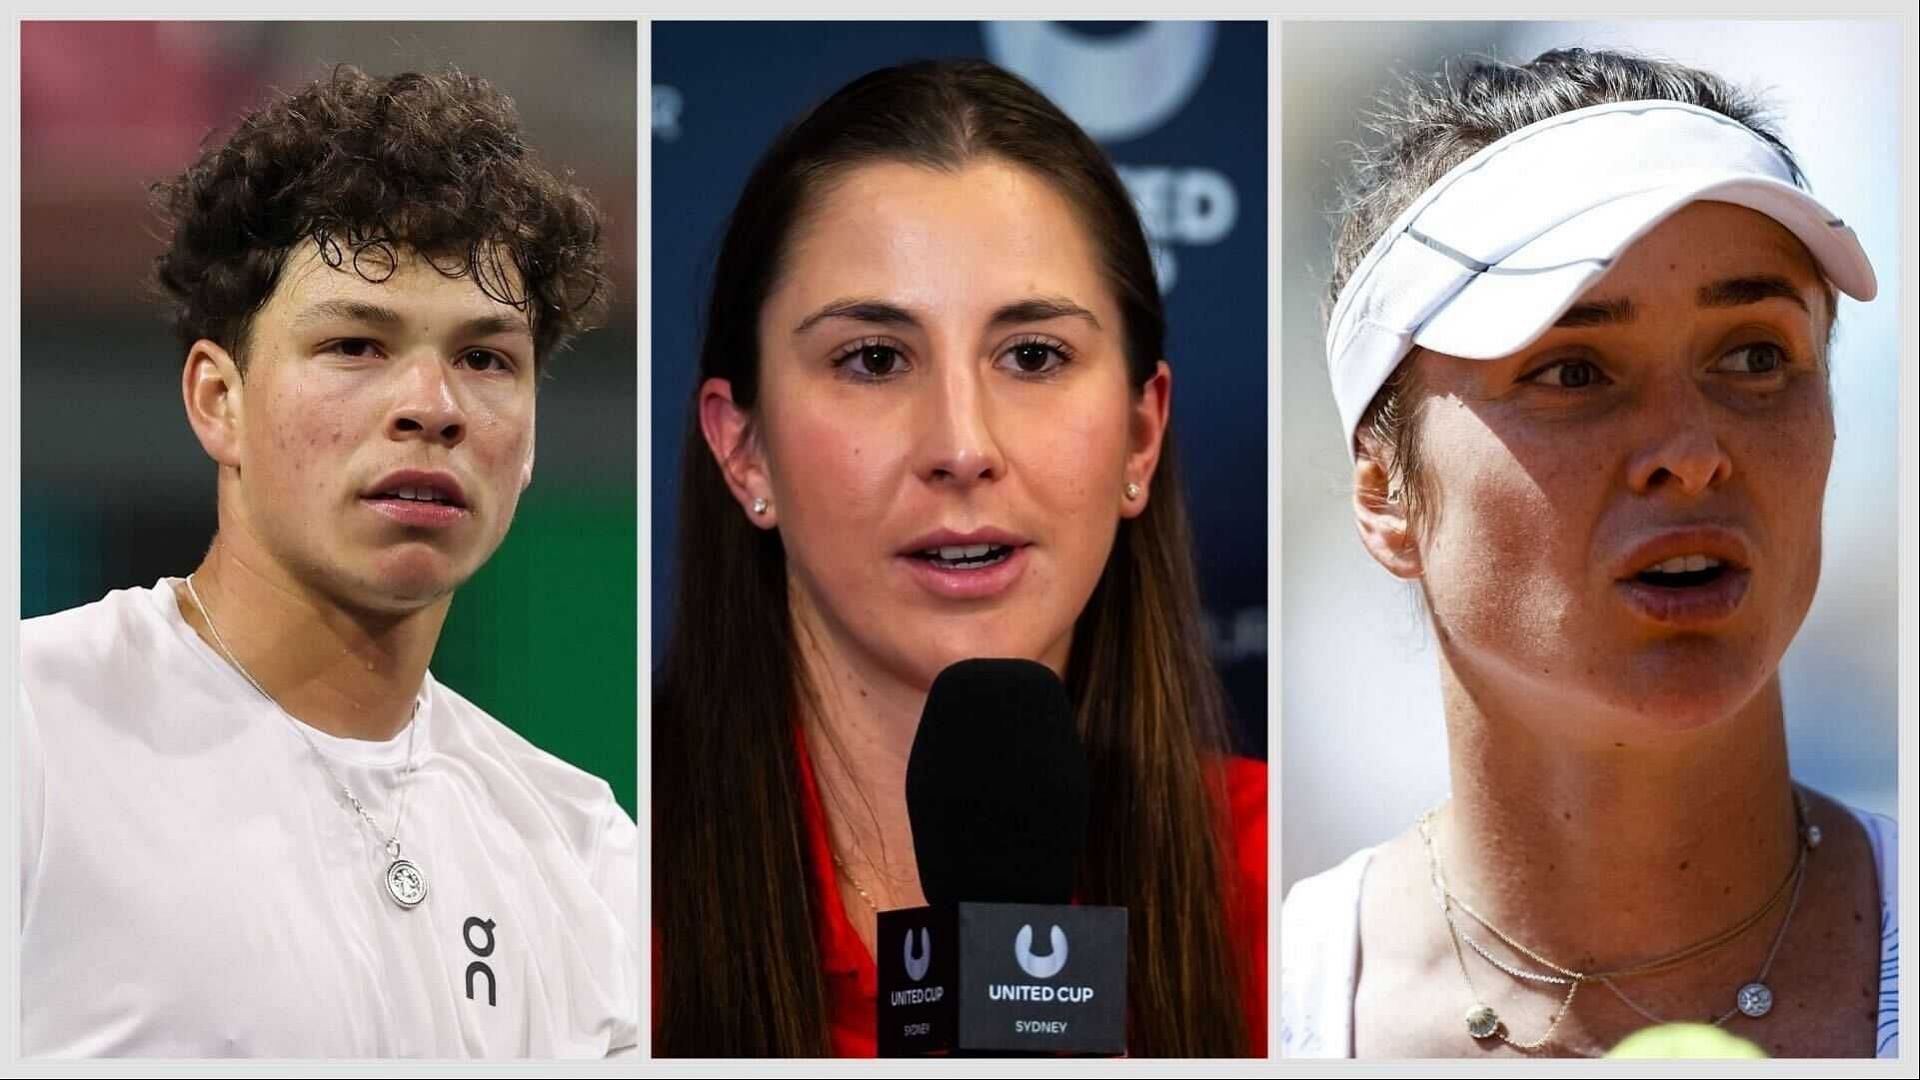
(1509, 305)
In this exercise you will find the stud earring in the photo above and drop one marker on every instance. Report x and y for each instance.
(1133, 490)
(760, 504)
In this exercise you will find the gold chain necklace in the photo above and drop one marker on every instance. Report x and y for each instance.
(1753, 999)
(848, 874)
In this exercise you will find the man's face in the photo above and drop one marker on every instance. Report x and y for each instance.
(385, 430)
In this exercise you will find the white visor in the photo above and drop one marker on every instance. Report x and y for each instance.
(1487, 259)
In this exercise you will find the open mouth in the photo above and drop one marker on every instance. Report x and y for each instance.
(978, 563)
(1684, 572)
(420, 494)
(418, 499)
(1693, 590)
(965, 556)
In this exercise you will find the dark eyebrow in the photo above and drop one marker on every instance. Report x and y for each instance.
(488, 325)
(1040, 309)
(859, 310)
(1032, 309)
(1597, 313)
(1738, 292)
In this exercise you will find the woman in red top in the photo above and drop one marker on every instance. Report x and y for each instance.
(932, 426)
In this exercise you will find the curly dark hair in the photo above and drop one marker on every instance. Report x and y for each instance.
(364, 167)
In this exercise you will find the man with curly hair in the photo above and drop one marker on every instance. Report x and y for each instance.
(252, 823)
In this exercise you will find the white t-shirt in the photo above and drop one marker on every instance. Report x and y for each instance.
(192, 884)
(1320, 952)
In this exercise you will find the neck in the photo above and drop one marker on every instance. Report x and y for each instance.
(352, 674)
(860, 731)
(1603, 854)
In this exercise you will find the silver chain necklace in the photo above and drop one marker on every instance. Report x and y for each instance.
(406, 885)
(1754, 999)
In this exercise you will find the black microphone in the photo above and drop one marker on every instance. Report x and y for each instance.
(997, 788)
(998, 796)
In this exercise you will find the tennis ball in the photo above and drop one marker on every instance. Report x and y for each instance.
(1684, 1041)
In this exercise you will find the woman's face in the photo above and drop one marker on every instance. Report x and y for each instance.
(945, 428)
(1624, 522)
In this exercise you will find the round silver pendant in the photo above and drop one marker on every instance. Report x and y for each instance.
(1755, 999)
(1482, 1022)
(405, 883)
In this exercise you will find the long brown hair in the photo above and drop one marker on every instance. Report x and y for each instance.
(738, 967)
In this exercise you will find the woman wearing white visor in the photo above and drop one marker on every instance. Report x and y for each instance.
(1579, 347)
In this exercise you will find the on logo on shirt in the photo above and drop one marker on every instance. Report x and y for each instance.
(483, 949)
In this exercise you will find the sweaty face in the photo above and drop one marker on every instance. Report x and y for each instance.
(1625, 526)
(386, 432)
(945, 428)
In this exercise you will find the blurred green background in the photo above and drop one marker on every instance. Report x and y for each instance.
(115, 492)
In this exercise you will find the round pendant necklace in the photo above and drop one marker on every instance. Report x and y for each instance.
(405, 884)
(1753, 999)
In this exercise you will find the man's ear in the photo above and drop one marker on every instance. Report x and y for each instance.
(526, 469)
(728, 430)
(1382, 515)
(212, 390)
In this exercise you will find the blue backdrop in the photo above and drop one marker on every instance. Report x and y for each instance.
(1182, 108)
